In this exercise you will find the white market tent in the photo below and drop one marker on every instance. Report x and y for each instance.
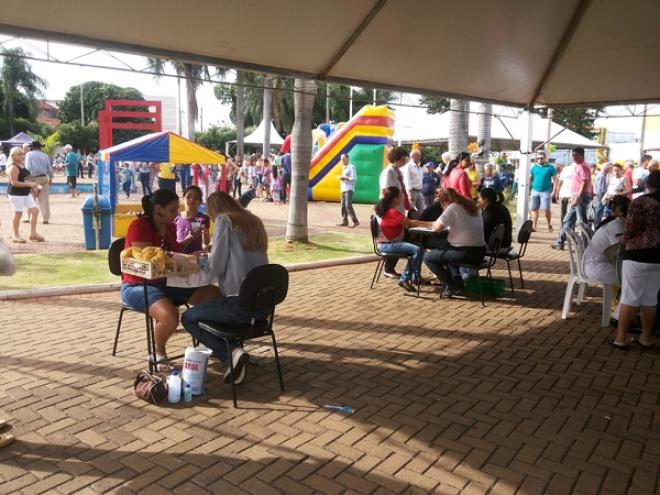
(415, 125)
(257, 136)
(515, 52)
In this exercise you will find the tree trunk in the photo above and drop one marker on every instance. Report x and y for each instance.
(484, 128)
(240, 115)
(9, 97)
(458, 126)
(277, 99)
(191, 97)
(301, 155)
(267, 113)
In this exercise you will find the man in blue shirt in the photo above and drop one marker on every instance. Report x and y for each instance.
(286, 175)
(430, 184)
(41, 172)
(543, 177)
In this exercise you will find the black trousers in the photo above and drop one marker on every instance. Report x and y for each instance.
(286, 181)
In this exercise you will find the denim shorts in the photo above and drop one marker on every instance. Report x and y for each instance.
(541, 200)
(133, 295)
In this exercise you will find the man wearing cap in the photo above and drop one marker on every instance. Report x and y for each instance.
(41, 172)
(430, 184)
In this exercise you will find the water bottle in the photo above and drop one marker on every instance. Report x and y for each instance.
(187, 392)
(174, 387)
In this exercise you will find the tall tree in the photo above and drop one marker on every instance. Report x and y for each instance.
(301, 156)
(194, 75)
(240, 115)
(576, 118)
(458, 126)
(484, 124)
(94, 95)
(267, 117)
(434, 104)
(17, 78)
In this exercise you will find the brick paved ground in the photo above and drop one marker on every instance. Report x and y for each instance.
(449, 398)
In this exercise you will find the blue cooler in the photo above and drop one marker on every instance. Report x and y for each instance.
(89, 224)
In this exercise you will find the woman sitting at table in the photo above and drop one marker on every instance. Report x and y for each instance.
(494, 213)
(239, 245)
(156, 228)
(465, 240)
(391, 223)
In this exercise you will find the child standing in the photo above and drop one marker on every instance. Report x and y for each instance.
(126, 176)
(192, 226)
(277, 187)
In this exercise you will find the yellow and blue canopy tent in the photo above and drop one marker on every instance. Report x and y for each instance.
(160, 147)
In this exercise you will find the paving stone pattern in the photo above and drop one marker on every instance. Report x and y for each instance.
(449, 397)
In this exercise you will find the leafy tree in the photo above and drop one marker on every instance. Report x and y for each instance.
(576, 118)
(215, 137)
(17, 79)
(434, 104)
(85, 138)
(94, 95)
(283, 96)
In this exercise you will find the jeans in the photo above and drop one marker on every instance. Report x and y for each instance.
(599, 209)
(574, 213)
(221, 310)
(237, 186)
(429, 199)
(445, 261)
(167, 184)
(347, 207)
(417, 199)
(126, 186)
(145, 180)
(184, 177)
(413, 252)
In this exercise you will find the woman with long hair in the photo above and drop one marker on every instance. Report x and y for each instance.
(20, 191)
(156, 228)
(239, 244)
(459, 180)
(391, 223)
(465, 240)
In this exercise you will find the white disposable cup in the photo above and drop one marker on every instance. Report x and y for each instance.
(195, 226)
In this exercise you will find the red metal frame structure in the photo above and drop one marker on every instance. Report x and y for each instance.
(107, 116)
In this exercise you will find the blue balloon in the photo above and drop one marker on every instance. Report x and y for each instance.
(326, 128)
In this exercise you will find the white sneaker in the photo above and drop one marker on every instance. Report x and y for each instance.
(239, 359)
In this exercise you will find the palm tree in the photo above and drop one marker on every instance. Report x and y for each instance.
(268, 112)
(484, 122)
(194, 75)
(17, 77)
(301, 154)
(240, 113)
(458, 126)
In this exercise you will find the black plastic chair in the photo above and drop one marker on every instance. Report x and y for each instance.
(264, 288)
(524, 234)
(373, 223)
(492, 248)
(114, 263)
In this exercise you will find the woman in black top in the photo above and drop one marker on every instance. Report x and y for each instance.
(495, 213)
(20, 191)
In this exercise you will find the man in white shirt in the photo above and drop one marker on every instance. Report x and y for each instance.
(639, 176)
(562, 189)
(41, 172)
(346, 187)
(412, 178)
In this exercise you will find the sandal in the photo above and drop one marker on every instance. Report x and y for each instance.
(36, 238)
(550, 229)
(162, 364)
(18, 240)
(6, 440)
(407, 286)
(646, 347)
(622, 347)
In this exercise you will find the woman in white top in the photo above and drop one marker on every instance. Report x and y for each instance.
(618, 184)
(598, 261)
(462, 219)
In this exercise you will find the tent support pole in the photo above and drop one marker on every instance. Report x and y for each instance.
(523, 170)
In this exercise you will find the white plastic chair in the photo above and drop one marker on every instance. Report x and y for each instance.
(576, 247)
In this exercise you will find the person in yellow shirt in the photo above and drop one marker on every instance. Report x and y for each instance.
(474, 176)
(166, 177)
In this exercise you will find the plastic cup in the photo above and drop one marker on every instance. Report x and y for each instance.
(195, 226)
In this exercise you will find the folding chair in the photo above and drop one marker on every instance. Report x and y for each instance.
(373, 223)
(524, 234)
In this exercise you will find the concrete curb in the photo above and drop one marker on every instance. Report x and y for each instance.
(89, 289)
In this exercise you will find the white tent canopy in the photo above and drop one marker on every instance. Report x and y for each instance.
(415, 125)
(257, 136)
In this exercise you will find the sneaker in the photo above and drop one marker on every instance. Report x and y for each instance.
(556, 245)
(391, 274)
(342, 224)
(239, 359)
(354, 225)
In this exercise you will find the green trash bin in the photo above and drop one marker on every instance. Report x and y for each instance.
(490, 286)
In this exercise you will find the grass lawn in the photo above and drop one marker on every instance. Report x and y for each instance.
(91, 267)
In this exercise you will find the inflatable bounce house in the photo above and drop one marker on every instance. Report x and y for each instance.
(365, 138)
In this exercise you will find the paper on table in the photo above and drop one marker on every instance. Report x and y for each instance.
(201, 278)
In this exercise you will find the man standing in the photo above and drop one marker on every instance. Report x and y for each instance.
(346, 187)
(600, 189)
(581, 191)
(41, 172)
(286, 176)
(71, 169)
(412, 178)
(639, 176)
(543, 178)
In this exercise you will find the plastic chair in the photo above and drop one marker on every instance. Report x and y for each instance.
(524, 235)
(373, 223)
(492, 248)
(576, 247)
(264, 288)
